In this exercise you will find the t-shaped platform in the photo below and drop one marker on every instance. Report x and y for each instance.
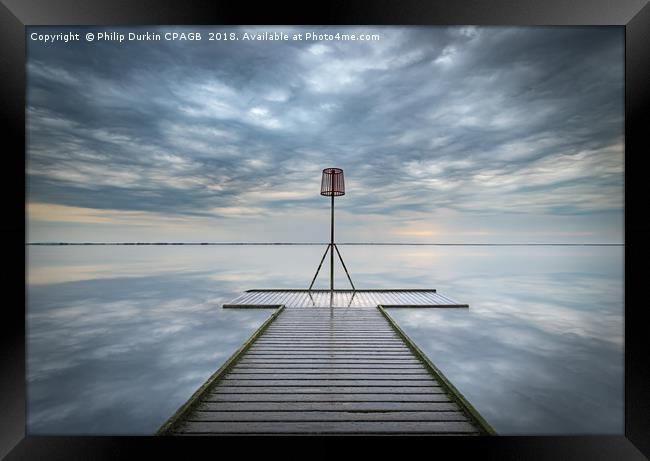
(343, 298)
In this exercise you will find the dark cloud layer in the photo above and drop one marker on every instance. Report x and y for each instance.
(471, 120)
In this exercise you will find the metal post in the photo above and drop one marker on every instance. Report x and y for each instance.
(319, 266)
(332, 185)
(344, 268)
(332, 249)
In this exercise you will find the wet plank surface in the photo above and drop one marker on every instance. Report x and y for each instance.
(327, 371)
(329, 427)
(345, 298)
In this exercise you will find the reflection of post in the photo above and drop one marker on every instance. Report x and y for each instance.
(352, 298)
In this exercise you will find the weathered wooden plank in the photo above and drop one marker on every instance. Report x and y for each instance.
(323, 328)
(356, 332)
(326, 397)
(329, 321)
(329, 353)
(327, 427)
(332, 356)
(333, 315)
(331, 376)
(299, 323)
(432, 434)
(327, 327)
(337, 331)
(331, 312)
(327, 337)
(342, 325)
(252, 298)
(278, 382)
(358, 348)
(347, 358)
(339, 327)
(333, 361)
(327, 331)
(311, 320)
(327, 416)
(309, 365)
(326, 367)
(330, 339)
(331, 342)
(318, 332)
(289, 344)
(351, 358)
(311, 314)
(317, 314)
(332, 346)
(331, 389)
(237, 371)
(307, 339)
(355, 321)
(322, 331)
(320, 335)
(379, 347)
(329, 406)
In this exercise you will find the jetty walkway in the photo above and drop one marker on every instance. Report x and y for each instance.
(329, 363)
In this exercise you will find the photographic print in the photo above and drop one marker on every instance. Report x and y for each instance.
(325, 230)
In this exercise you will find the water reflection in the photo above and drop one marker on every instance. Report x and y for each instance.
(531, 354)
(119, 355)
(119, 337)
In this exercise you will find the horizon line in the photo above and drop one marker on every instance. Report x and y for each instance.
(322, 243)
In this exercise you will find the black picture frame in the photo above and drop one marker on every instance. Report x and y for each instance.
(634, 15)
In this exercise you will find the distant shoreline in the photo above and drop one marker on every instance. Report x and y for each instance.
(316, 243)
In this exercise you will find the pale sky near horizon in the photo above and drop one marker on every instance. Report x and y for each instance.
(445, 134)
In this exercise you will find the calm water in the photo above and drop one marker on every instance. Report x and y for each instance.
(120, 336)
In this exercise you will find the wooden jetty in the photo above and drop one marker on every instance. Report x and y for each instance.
(329, 363)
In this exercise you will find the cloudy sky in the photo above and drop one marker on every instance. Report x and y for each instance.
(454, 135)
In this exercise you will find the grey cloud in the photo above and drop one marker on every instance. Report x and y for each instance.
(417, 119)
